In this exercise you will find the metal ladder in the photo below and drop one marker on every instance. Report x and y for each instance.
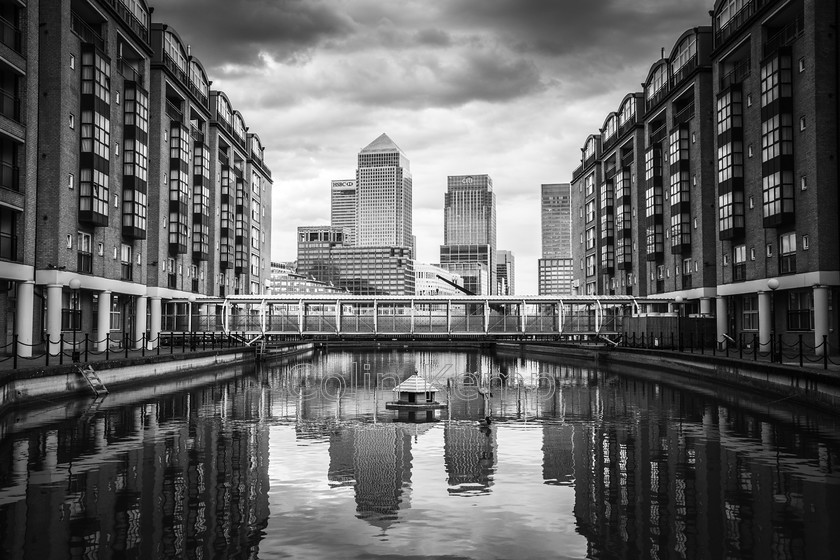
(93, 380)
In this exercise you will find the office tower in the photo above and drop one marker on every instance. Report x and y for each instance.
(343, 208)
(555, 266)
(127, 142)
(469, 227)
(359, 270)
(736, 215)
(504, 273)
(383, 207)
(432, 280)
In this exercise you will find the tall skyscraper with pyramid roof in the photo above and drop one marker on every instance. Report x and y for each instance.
(383, 206)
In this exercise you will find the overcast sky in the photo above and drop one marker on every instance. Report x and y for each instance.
(510, 88)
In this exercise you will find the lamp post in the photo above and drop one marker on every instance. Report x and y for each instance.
(75, 284)
(678, 301)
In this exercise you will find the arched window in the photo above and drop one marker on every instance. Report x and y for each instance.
(172, 48)
(685, 52)
(657, 81)
(628, 111)
(728, 10)
(610, 127)
(589, 148)
(222, 109)
(198, 79)
(238, 126)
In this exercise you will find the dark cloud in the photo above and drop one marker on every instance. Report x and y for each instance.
(224, 32)
(561, 27)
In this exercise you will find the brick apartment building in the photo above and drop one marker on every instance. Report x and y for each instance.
(717, 184)
(130, 182)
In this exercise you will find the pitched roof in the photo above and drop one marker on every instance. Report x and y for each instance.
(381, 144)
(415, 384)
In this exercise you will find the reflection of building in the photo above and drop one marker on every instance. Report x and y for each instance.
(382, 463)
(555, 266)
(469, 233)
(342, 453)
(469, 453)
(505, 273)
(558, 454)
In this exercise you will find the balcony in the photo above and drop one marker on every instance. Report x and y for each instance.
(84, 262)
(737, 21)
(130, 19)
(684, 115)
(625, 127)
(657, 97)
(737, 74)
(129, 72)
(784, 36)
(87, 33)
(659, 134)
(684, 71)
(172, 66)
(174, 112)
(10, 35)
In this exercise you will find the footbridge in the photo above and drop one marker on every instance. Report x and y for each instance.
(254, 317)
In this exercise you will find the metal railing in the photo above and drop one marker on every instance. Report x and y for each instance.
(87, 33)
(10, 35)
(75, 347)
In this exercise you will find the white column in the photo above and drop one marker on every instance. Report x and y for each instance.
(522, 318)
(375, 317)
(722, 317)
(54, 318)
(23, 317)
(449, 316)
(154, 328)
(300, 316)
(486, 315)
(412, 317)
(705, 306)
(765, 321)
(338, 316)
(820, 318)
(140, 320)
(104, 321)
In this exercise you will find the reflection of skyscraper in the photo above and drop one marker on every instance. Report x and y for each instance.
(342, 443)
(469, 454)
(558, 454)
(382, 464)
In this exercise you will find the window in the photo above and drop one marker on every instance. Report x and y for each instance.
(739, 263)
(658, 81)
(590, 238)
(685, 53)
(72, 120)
(800, 316)
(84, 258)
(125, 262)
(802, 123)
(686, 266)
(590, 211)
(590, 265)
(749, 314)
(72, 62)
(8, 233)
(803, 183)
(590, 184)
(71, 181)
(787, 253)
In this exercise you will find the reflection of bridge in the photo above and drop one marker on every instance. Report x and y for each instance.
(415, 316)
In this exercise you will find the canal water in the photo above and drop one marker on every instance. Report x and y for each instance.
(301, 459)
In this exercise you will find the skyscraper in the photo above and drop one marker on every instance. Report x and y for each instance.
(383, 199)
(504, 273)
(469, 229)
(343, 208)
(555, 266)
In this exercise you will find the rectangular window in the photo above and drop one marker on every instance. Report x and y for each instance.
(800, 315)
(787, 253)
(750, 313)
(126, 262)
(739, 263)
(8, 233)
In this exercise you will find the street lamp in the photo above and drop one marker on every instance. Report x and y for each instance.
(75, 314)
(679, 303)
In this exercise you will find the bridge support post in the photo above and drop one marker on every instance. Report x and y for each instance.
(486, 315)
(411, 325)
(337, 317)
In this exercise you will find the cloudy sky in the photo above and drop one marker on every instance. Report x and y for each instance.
(510, 88)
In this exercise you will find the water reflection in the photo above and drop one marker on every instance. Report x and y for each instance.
(302, 459)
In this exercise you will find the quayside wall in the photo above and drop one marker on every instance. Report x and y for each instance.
(805, 385)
